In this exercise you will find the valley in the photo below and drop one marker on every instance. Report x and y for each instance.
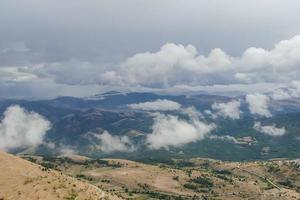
(149, 146)
(77, 123)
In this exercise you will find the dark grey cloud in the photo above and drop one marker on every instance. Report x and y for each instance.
(94, 30)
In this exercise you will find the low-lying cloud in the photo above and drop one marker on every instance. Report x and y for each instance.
(291, 91)
(223, 138)
(271, 130)
(108, 143)
(228, 110)
(68, 151)
(171, 131)
(157, 105)
(258, 104)
(21, 128)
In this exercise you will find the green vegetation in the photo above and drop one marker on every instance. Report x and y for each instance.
(160, 195)
(273, 168)
(287, 183)
(222, 171)
(202, 181)
(223, 174)
(82, 176)
(47, 165)
(190, 186)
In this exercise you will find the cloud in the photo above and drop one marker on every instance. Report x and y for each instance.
(20, 128)
(15, 75)
(91, 51)
(191, 112)
(67, 151)
(90, 37)
(172, 66)
(258, 104)
(210, 114)
(292, 90)
(280, 94)
(159, 105)
(271, 130)
(109, 143)
(223, 138)
(228, 110)
(71, 72)
(176, 64)
(169, 130)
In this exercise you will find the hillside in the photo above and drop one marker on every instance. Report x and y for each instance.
(82, 178)
(185, 179)
(21, 180)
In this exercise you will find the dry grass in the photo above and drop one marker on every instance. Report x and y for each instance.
(139, 178)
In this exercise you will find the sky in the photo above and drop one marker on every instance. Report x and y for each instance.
(51, 48)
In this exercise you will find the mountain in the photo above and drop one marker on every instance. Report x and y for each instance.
(75, 121)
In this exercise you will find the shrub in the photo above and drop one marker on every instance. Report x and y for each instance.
(205, 182)
(288, 183)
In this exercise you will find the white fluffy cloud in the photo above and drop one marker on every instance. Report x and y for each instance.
(169, 130)
(176, 64)
(271, 130)
(258, 104)
(173, 64)
(110, 143)
(159, 105)
(228, 110)
(20, 128)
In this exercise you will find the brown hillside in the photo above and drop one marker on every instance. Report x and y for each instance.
(22, 180)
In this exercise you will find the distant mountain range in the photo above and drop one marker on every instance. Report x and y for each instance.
(76, 120)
